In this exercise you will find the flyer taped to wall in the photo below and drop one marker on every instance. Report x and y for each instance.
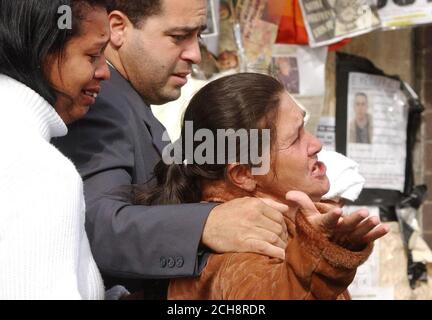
(329, 21)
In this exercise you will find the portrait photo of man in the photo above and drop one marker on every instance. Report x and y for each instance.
(361, 127)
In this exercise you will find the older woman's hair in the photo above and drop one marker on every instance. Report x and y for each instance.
(241, 101)
(30, 32)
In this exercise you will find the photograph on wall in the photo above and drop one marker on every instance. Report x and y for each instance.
(300, 68)
(259, 20)
(376, 134)
(287, 72)
(360, 128)
(302, 71)
(404, 13)
(329, 21)
(373, 113)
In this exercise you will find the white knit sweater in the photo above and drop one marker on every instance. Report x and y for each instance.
(44, 250)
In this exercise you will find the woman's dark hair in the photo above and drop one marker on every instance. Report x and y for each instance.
(30, 32)
(241, 101)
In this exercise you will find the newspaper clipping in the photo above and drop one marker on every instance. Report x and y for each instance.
(326, 132)
(376, 130)
(403, 13)
(329, 21)
(260, 24)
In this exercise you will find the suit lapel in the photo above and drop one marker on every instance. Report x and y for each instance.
(156, 130)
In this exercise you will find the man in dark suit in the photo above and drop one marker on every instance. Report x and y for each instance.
(153, 45)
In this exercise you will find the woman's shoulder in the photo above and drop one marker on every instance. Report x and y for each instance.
(240, 265)
(36, 158)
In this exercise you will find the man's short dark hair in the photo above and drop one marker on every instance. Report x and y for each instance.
(136, 10)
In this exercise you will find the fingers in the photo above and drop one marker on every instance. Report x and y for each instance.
(350, 222)
(327, 222)
(331, 219)
(277, 229)
(274, 210)
(265, 248)
(273, 220)
(302, 201)
(275, 205)
(368, 231)
(363, 228)
(271, 238)
(376, 233)
(285, 233)
(246, 225)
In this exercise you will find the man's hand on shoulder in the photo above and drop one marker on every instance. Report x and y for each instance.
(247, 225)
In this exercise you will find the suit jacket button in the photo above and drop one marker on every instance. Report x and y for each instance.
(179, 262)
(163, 262)
(171, 262)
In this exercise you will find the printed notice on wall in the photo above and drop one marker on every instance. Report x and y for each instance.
(326, 132)
(366, 284)
(403, 13)
(377, 130)
(329, 21)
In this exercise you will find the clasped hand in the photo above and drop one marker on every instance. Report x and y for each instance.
(353, 232)
(258, 225)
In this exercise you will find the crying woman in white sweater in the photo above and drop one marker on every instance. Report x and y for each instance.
(50, 74)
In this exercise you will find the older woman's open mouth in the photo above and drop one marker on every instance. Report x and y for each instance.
(319, 170)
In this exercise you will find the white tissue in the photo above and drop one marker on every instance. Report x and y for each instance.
(342, 172)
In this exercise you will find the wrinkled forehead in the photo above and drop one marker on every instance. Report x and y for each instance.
(290, 119)
(297, 109)
(305, 113)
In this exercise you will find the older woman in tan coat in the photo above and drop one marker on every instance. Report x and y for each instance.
(324, 248)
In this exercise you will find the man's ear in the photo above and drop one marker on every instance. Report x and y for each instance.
(119, 24)
(241, 176)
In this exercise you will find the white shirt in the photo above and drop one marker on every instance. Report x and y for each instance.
(44, 250)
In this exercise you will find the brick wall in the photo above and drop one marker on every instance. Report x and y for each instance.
(423, 52)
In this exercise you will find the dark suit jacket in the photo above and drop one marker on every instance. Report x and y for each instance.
(118, 144)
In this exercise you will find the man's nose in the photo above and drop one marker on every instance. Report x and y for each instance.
(192, 52)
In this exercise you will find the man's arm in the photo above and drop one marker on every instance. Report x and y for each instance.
(129, 240)
(144, 240)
